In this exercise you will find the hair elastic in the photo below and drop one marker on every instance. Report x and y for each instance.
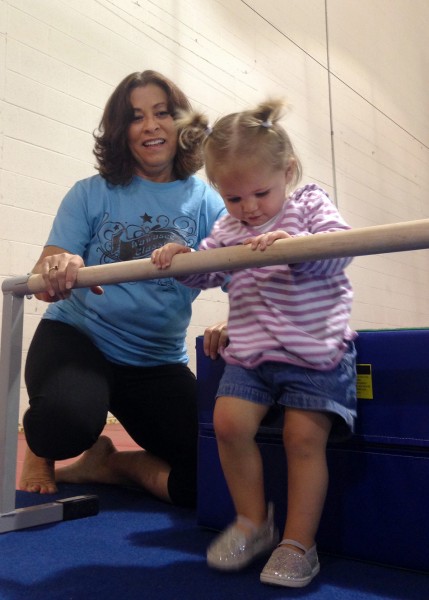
(268, 123)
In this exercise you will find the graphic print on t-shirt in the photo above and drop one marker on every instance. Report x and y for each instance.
(122, 241)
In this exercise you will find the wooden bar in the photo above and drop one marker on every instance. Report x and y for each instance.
(379, 239)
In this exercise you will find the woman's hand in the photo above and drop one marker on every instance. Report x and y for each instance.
(59, 272)
(215, 338)
(162, 257)
(261, 242)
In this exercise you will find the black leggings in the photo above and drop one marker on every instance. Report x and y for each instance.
(72, 387)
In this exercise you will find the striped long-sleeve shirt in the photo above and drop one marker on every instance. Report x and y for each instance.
(296, 314)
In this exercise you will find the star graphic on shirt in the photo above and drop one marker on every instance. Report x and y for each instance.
(146, 218)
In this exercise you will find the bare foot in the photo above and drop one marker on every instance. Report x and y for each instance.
(92, 466)
(37, 475)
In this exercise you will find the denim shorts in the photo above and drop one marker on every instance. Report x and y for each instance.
(274, 383)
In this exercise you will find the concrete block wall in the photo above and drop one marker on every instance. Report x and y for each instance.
(353, 71)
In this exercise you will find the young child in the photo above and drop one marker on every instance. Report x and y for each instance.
(289, 339)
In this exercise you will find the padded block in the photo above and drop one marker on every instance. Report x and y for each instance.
(375, 510)
(396, 410)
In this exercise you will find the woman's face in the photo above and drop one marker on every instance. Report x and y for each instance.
(152, 136)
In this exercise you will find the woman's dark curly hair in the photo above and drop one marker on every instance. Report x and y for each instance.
(115, 161)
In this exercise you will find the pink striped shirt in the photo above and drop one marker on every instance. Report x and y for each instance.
(296, 314)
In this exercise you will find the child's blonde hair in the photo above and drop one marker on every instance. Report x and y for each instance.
(251, 134)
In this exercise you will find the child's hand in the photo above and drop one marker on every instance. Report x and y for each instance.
(264, 240)
(162, 257)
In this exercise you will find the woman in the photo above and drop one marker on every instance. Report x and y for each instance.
(122, 349)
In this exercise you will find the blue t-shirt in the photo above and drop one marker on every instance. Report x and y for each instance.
(141, 323)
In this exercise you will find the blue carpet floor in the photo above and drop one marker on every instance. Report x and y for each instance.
(137, 548)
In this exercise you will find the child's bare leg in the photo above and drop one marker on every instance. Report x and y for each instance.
(37, 474)
(236, 422)
(305, 436)
(253, 532)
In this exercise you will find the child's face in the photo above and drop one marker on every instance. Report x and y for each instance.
(252, 193)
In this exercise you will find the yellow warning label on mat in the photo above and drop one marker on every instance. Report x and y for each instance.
(364, 382)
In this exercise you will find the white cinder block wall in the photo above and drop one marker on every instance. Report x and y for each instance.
(354, 71)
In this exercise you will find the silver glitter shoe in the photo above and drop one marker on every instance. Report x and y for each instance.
(290, 568)
(233, 550)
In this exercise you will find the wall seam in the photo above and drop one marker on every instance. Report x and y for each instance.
(331, 114)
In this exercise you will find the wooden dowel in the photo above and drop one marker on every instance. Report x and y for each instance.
(397, 237)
